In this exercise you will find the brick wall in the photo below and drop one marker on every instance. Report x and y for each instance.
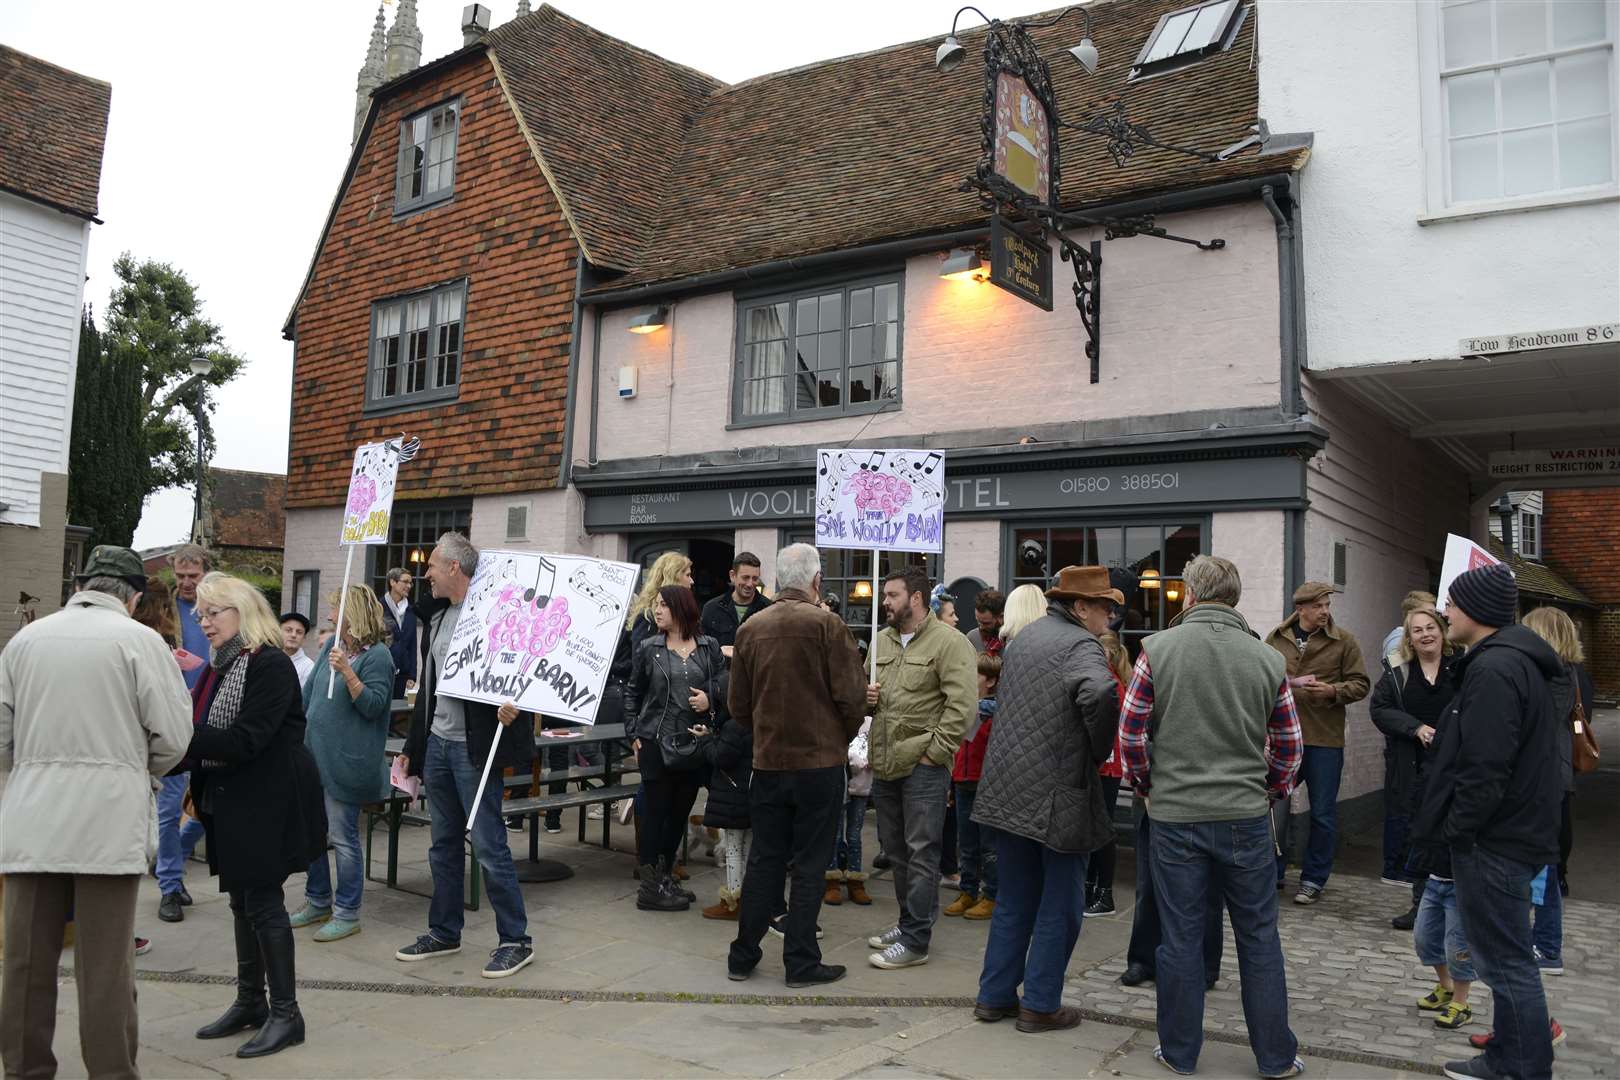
(504, 233)
(1580, 539)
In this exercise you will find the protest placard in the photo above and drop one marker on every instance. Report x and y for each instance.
(890, 500)
(538, 630)
(368, 510)
(1462, 555)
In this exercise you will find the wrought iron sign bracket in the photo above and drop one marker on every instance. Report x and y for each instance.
(1087, 260)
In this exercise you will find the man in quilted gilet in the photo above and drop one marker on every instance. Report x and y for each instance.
(1225, 742)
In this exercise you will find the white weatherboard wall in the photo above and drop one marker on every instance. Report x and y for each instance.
(1380, 286)
(42, 260)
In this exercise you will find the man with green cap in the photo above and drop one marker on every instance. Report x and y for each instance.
(93, 713)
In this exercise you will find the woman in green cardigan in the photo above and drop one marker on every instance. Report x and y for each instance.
(346, 735)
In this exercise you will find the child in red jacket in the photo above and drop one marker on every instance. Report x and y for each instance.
(974, 850)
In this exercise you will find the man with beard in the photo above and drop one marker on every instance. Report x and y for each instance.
(926, 689)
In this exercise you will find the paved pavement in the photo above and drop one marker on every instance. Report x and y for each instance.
(619, 992)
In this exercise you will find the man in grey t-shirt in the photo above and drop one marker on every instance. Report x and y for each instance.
(449, 716)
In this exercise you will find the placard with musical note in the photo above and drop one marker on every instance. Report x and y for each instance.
(892, 500)
(370, 503)
(538, 630)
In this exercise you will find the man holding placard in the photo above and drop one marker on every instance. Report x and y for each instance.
(450, 741)
(926, 689)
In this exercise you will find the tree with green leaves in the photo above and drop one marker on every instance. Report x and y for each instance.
(155, 320)
(106, 453)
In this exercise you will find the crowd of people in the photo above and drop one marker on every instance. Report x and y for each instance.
(993, 761)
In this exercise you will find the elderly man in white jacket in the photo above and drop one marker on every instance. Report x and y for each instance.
(92, 711)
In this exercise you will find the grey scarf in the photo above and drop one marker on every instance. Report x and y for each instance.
(231, 661)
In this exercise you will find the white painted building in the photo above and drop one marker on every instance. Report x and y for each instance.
(52, 130)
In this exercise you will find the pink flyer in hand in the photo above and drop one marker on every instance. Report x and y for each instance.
(410, 785)
(187, 661)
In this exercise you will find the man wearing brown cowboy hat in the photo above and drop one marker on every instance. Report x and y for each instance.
(1055, 723)
(1326, 673)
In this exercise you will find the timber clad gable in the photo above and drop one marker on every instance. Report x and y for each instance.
(504, 234)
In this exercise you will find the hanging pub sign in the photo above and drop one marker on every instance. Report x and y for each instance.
(1019, 264)
(1018, 167)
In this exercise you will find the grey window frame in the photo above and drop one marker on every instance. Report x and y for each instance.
(1142, 69)
(843, 560)
(1011, 577)
(791, 297)
(314, 577)
(376, 403)
(407, 205)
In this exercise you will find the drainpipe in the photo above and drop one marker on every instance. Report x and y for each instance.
(565, 471)
(596, 378)
(1288, 301)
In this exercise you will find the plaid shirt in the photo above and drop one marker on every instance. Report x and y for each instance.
(1284, 744)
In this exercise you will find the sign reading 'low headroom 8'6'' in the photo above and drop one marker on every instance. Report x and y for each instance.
(889, 499)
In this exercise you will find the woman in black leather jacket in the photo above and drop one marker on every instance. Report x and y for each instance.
(677, 683)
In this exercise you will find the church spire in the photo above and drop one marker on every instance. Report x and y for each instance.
(372, 74)
(404, 41)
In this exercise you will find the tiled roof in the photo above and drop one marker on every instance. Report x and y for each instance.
(608, 119)
(874, 147)
(1539, 580)
(246, 508)
(53, 124)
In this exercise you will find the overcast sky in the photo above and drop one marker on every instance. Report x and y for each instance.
(230, 129)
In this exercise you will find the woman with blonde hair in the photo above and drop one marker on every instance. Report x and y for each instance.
(346, 734)
(1025, 604)
(670, 568)
(258, 795)
(1572, 687)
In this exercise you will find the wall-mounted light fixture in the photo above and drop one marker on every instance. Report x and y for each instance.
(1172, 592)
(963, 264)
(415, 555)
(861, 591)
(649, 319)
(1149, 579)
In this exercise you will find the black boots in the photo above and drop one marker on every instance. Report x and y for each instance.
(658, 890)
(249, 1011)
(286, 1024)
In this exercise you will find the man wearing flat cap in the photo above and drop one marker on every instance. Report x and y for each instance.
(1326, 672)
(91, 701)
(1058, 710)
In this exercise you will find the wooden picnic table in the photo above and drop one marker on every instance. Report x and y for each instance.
(396, 811)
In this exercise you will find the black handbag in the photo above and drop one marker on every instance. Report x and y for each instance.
(681, 750)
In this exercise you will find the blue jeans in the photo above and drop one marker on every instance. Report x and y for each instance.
(975, 850)
(1195, 866)
(1438, 934)
(1319, 772)
(1145, 930)
(343, 830)
(846, 852)
(175, 841)
(1493, 898)
(450, 780)
(1039, 911)
(1549, 930)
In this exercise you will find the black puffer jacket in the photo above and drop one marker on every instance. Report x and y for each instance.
(1497, 775)
(731, 757)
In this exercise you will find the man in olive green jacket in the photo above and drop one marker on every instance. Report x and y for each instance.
(926, 689)
(1326, 672)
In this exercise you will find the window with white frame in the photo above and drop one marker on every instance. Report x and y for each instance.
(1529, 534)
(416, 347)
(1526, 97)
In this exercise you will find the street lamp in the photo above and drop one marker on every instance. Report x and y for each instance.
(201, 366)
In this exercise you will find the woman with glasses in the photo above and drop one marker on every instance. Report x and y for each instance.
(258, 794)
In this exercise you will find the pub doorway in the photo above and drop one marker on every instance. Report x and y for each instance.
(711, 556)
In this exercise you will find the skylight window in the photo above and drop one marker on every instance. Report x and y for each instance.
(1188, 35)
